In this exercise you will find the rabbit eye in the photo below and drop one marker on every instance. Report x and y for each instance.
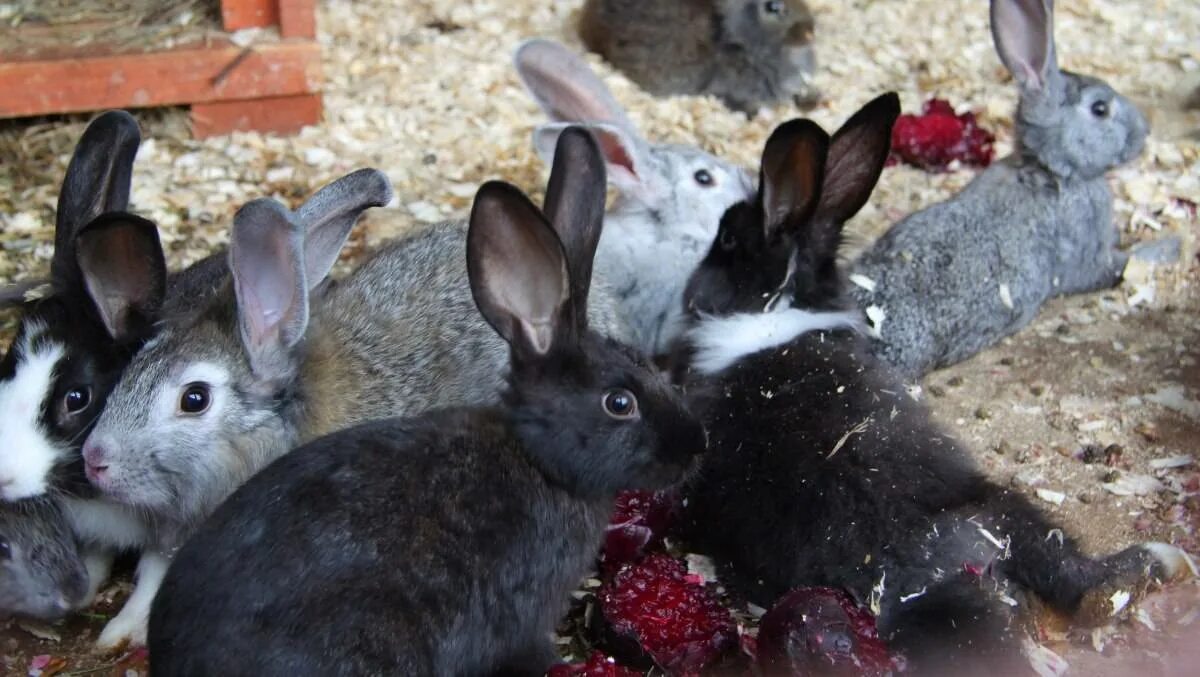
(195, 399)
(1100, 109)
(77, 399)
(5, 550)
(773, 7)
(728, 241)
(619, 403)
(703, 177)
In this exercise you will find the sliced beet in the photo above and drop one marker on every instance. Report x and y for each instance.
(820, 631)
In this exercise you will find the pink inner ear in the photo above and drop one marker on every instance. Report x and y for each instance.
(615, 152)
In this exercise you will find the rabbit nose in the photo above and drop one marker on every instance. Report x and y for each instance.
(94, 458)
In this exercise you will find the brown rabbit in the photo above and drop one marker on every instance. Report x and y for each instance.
(745, 52)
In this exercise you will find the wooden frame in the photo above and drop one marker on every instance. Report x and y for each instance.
(270, 87)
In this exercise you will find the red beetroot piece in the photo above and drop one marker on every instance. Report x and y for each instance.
(937, 137)
(597, 665)
(820, 631)
(638, 524)
(674, 620)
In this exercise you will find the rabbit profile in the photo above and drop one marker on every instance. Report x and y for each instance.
(956, 277)
(42, 573)
(822, 471)
(745, 52)
(446, 543)
(670, 196)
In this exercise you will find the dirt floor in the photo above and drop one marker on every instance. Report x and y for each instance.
(1094, 409)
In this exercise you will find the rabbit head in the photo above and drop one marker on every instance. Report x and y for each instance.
(781, 249)
(670, 187)
(594, 415)
(783, 25)
(1074, 125)
(41, 572)
(213, 397)
(107, 284)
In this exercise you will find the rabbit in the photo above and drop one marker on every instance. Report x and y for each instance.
(745, 52)
(42, 572)
(670, 196)
(952, 279)
(823, 471)
(446, 543)
(257, 370)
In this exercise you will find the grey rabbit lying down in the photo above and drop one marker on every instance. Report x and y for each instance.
(950, 280)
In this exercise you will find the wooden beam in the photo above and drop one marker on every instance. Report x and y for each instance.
(239, 14)
(298, 19)
(181, 76)
(278, 114)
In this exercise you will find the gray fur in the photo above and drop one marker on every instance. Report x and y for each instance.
(736, 50)
(41, 572)
(663, 220)
(956, 277)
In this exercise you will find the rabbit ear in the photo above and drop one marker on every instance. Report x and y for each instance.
(625, 160)
(1023, 31)
(328, 216)
(124, 271)
(518, 270)
(857, 154)
(565, 88)
(575, 207)
(793, 163)
(266, 257)
(98, 180)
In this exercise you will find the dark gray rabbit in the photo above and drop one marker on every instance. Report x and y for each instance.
(42, 574)
(446, 544)
(822, 471)
(745, 52)
(952, 279)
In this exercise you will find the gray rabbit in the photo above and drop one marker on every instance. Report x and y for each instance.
(671, 196)
(267, 364)
(42, 574)
(745, 52)
(950, 280)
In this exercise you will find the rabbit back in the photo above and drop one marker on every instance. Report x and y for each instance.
(419, 538)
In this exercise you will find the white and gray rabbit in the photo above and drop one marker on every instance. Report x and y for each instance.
(265, 366)
(670, 196)
(42, 572)
(446, 543)
(958, 276)
(745, 52)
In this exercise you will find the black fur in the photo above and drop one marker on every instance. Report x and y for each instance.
(445, 544)
(825, 472)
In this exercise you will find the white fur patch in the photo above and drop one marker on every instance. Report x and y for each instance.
(106, 523)
(722, 341)
(28, 454)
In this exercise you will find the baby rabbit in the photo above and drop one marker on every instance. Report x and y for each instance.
(954, 278)
(823, 471)
(449, 543)
(42, 574)
(745, 52)
(670, 197)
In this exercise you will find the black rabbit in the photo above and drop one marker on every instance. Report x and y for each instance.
(447, 543)
(822, 470)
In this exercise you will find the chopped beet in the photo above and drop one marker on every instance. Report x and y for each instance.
(937, 137)
(820, 631)
(597, 665)
(678, 624)
(638, 524)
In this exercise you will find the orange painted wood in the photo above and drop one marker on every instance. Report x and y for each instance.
(239, 14)
(298, 18)
(180, 76)
(279, 114)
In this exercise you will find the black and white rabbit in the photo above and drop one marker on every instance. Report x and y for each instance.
(822, 470)
(448, 543)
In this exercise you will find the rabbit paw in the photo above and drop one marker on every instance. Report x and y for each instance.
(127, 630)
(98, 565)
(1164, 250)
(1129, 574)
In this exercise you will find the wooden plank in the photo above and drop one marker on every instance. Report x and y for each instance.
(239, 14)
(187, 75)
(279, 114)
(298, 19)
